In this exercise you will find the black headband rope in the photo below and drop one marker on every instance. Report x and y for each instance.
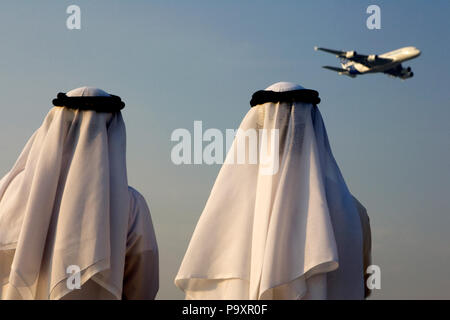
(302, 95)
(108, 104)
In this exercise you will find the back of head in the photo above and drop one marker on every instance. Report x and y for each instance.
(280, 220)
(284, 86)
(66, 192)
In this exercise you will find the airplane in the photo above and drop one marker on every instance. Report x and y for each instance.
(390, 63)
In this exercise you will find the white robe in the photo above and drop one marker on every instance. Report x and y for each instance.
(66, 202)
(295, 234)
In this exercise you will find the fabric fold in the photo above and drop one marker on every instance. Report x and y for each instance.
(282, 228)
(66, 202)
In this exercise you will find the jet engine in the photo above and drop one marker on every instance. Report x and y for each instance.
(350, 54)
(406, 73)
(372, 58)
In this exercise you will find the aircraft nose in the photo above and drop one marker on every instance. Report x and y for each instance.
(418, 52)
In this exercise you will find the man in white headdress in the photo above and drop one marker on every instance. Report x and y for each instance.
(287, 228)
(70, 226)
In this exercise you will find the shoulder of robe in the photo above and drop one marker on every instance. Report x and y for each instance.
(140, 225)
(361, 210)
(136, 197)
(138, 206)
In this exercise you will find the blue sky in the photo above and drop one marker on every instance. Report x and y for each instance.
(174, 62)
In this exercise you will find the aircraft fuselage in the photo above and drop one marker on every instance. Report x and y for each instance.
(397, 57)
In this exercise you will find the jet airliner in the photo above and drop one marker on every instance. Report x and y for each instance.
(390, 63)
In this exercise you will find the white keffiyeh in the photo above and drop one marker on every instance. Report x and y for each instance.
(66, 202)
(295, 234)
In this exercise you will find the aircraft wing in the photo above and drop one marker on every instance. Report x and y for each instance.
(368, 61)
(336, 52)
(395, 72)
(335, 69)
(400, 72)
